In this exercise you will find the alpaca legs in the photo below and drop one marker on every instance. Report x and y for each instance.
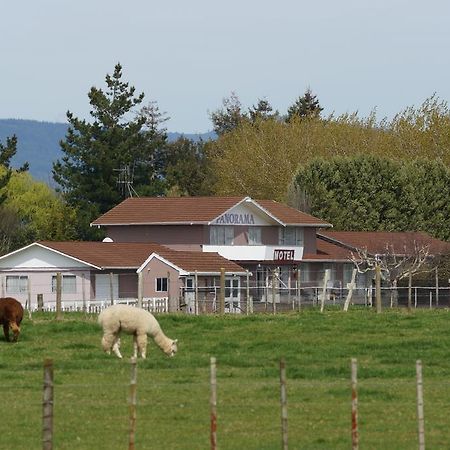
(110, 342)
(116, 347)
(141, 341)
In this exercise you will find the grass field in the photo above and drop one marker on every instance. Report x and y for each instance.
(91, 388)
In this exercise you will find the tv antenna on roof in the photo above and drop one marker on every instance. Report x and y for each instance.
(125, 181)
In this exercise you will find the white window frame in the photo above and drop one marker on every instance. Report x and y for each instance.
(221, 235)
(68, 284)
(162, 281)
(291, 236)
(254, 236)
(16, 284)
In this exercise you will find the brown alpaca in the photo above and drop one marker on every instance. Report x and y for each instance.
(11, 314)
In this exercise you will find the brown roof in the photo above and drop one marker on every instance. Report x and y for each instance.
(327, 251)
(131, 255)
(181, 210)
(377, 242)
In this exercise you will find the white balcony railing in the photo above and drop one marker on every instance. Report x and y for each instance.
(257, 252)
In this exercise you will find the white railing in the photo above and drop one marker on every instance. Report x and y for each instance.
(152, 304)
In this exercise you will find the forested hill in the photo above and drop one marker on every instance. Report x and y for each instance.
(38, 143)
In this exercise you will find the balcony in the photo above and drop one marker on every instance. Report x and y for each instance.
(281, 253)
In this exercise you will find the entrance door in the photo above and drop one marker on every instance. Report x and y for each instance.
(189, 295)
(232, 295)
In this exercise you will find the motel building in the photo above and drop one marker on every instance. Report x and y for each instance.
(277, 246)
(176, 254)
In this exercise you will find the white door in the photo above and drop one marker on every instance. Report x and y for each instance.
(189, 295)
(232, 295)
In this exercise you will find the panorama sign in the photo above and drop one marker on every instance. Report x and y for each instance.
(236, 219)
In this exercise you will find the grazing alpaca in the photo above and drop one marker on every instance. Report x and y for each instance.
(135, 321)
(11, 314)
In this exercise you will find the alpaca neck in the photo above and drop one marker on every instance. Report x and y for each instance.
(161, 340)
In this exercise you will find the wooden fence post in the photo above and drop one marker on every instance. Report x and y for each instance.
(420, 416)
(196, 293)
(283, 400)
(40, 302)
(299, 290)
(83, 291)
(437, 287)
(47, 406)
(409, 291)
(111, 288)
(132, 402)
(355, 437)
(274, 277)
(58, 296)
(213, 404)
(222, 292)
(249, 308)
(140, 293)
(378, 287)
(326, 277)
(350, 290)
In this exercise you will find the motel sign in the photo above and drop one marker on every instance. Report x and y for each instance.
(283, 255)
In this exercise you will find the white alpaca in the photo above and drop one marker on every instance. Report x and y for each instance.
(135, 321)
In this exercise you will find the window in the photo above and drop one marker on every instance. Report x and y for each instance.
(254, 236)
(220, 235)
(305, 272)
(291, 236)
(161, 285)
(68, 284)
(348, 272)
(16, 284)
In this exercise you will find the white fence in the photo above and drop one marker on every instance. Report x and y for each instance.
(153, 304)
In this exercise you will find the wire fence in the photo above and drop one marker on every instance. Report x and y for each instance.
(238, 409)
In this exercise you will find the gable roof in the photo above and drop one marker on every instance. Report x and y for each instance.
(376, 242)
(131, 255)
(195, 210)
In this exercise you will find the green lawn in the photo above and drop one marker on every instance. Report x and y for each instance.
(91, 388)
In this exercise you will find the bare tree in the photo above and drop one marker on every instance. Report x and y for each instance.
(395, 265)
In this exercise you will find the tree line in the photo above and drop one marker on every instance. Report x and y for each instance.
(356, 172)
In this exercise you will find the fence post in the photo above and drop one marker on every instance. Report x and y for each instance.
(274, 306)
(409, 290)
(40, 302)
(355, 437)
(324, 289)
(132, 401)
(378, 287)
(222, 292)
(283, 400)
(299, 291)
(83, 291)
(140, 293)
(111, 287)
(437, 287)
(213, 404)
(58, 295)
(47, 406)
(196, 293)
(350, 290)
(420, 416)
(249, 306)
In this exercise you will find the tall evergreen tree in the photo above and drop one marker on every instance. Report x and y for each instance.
(7, 152)
(229, 117)
(97, 154)
(307, 106)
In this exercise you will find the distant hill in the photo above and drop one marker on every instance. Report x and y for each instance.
(38, 143)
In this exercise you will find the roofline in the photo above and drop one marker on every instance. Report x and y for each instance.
(38, 244)
(255, 203)
(162, 259)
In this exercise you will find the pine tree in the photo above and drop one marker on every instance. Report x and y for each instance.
(307, 106)
(97, 153)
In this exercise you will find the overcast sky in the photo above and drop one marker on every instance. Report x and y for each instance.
(355, 55)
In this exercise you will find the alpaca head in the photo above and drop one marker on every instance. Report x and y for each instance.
(172, 348)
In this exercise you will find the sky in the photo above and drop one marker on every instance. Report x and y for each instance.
(355, 55)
